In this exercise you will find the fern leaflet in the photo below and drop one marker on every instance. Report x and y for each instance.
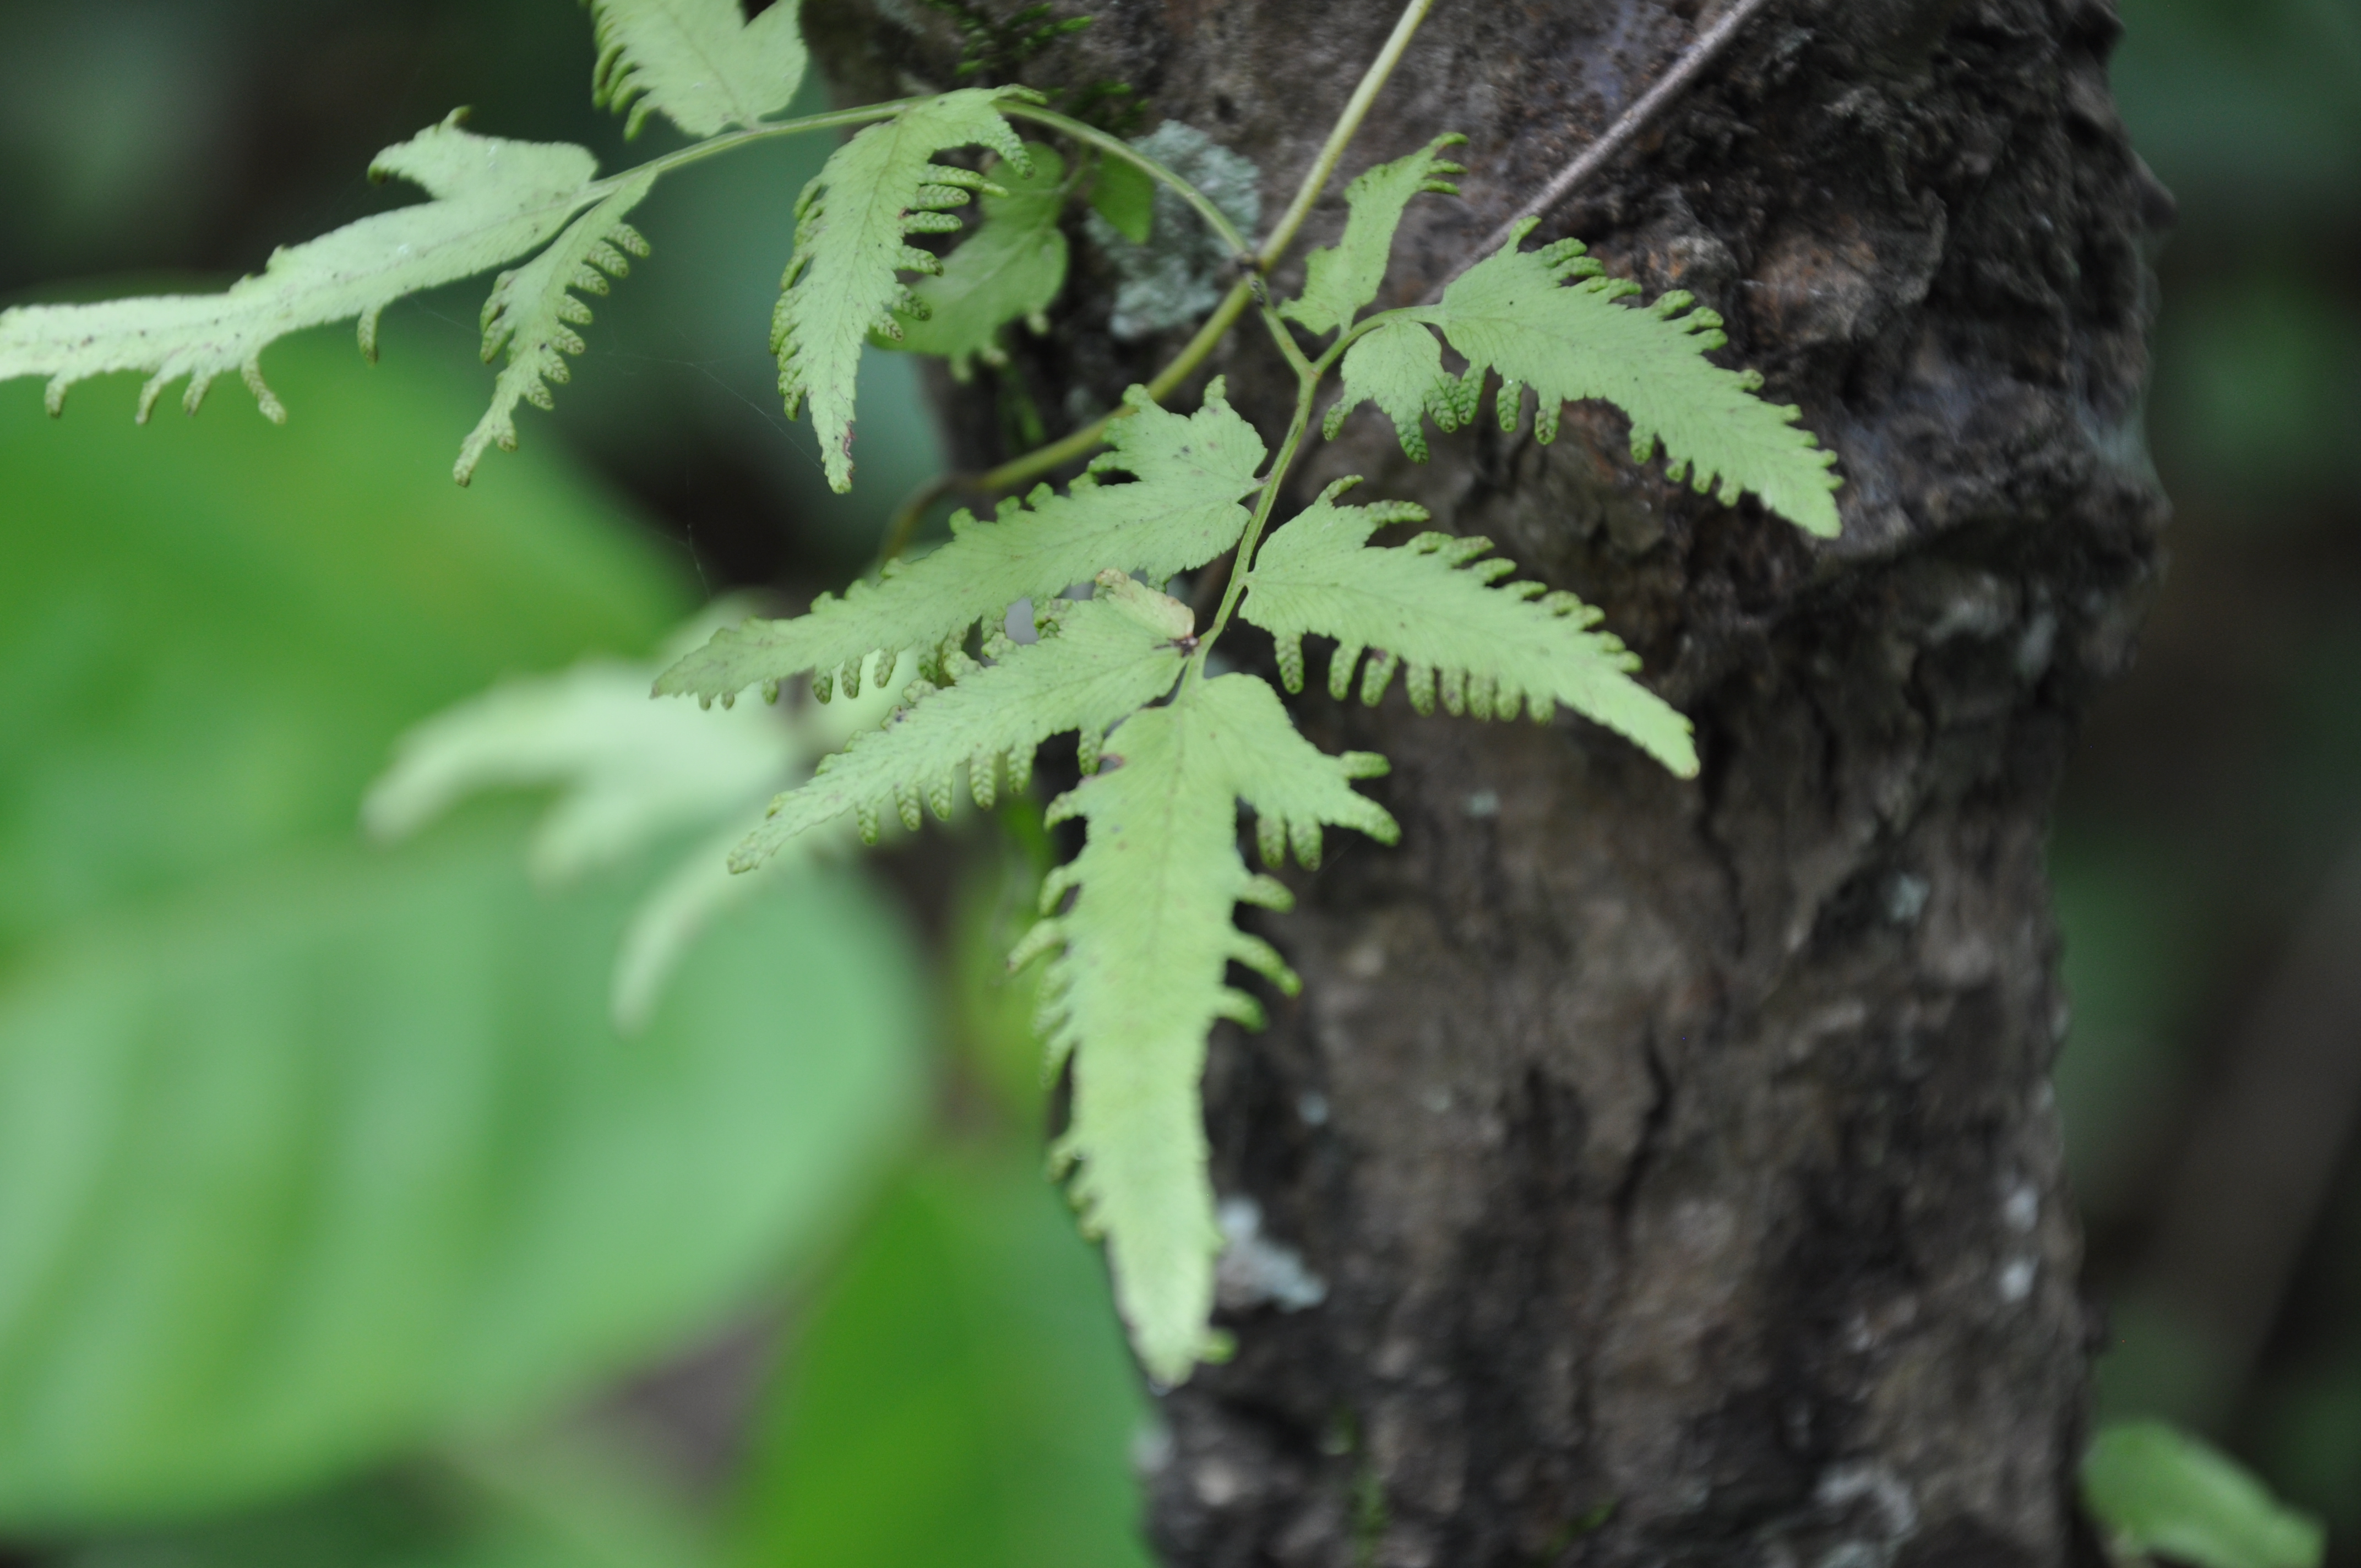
(1339, 279)
(1097, 663)
(700, 63)
(494, 200)
(1398, 365)
(532, 313)
(852, 224)
(1010, 267)
(1511, 314)
(1181, 510)
(1138, 976)
(1432, 605)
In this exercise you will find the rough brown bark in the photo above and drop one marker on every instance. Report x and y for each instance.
(1680, 1158)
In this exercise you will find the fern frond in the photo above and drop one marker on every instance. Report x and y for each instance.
(1434, 607)
(495, 200)
(1339, 279)
(1097, 663)
(1549, 319)
(1010, 268)
(532, 313)
(1140, 975)
(700, 63)
(1181, 510)
(852, 224)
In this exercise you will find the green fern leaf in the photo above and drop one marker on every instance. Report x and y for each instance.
(700, 63)
(1125, 196)
(1512, 313)
(494, 201)
(1010, 268)
(1339, 279)
(1181, 510)
(1096, 663)
(532, 313)
(1398, 365)
(1138, 976)
(852, 224)
(1433, 606)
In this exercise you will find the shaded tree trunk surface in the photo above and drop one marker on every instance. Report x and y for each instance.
(1680, 1158)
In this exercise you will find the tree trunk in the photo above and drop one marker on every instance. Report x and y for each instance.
(1680, 1158)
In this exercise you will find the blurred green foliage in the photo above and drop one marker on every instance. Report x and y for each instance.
(215, 626)
(2161, 1492)
(963, 1396)
(311, 1153)
(302, 1169)
(330, 1195)
(542, 1503)
(2218, 788)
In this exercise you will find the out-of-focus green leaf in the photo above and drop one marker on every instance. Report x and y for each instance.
(579, 1496)
(559, 1501)
(309, 1153)
(303, 1170)
(212, 629)
(1125, 197)
(630, 771)
(964, 1397)
(998, 901)
(2157, 1489)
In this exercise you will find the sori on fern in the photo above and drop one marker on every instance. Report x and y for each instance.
(1139, 931)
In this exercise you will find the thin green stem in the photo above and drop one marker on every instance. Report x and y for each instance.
(1080, 444)
(1309, 373)
(1083, 442)
(1288, 349)
(1356, 108)
(714, 146)
(903, 526)
(1368, 324)
(1307, 386)
(1217, 326)
(1116, 146)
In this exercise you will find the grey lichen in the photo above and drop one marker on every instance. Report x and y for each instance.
(1180, 272)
